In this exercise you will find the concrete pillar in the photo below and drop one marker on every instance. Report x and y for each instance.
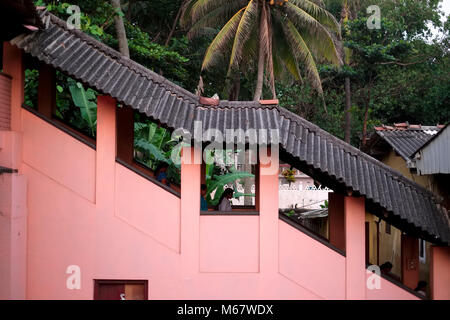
(13, 186)
(355, 248)
(410, 261)
(336, 220)
(125, 134)
(268, 215)
(190, 215)
(106, 153)
(13, 66)
(47, 90)
(440, 273)
(13, 236)
(13, 219)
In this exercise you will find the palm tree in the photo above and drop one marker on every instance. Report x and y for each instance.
(278, 37)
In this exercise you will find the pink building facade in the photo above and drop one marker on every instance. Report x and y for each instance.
(71, 214)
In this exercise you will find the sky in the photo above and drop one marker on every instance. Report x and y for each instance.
(446, 8)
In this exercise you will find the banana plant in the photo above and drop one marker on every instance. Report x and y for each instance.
(85, 100)
(155, 145)
(217, 178)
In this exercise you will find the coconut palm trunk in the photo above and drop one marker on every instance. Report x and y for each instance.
(263, 34)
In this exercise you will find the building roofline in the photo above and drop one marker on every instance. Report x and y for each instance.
(430, 140)
(139, 88)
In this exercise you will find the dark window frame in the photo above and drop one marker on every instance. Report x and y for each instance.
(99, 282)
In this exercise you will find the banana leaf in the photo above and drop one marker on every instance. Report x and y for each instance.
(85, 100)
(219, 182)
(152, 150)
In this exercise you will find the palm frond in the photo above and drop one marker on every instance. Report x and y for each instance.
(319, 13)
(213, 19)
(287, 60)
(317, 36)
(226, 34)
(250, 50)
(196, 9)
(286, 67)
(302, 54)
(243, 33)
(264, 31)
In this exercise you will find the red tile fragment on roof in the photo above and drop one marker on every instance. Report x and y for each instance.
(209, 101)
(268, 102)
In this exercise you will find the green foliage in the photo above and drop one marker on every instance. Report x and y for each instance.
(217, 177)
(31, 88)
(297, 34)
(289, 175)
(75, 105)
(217, 183)
(290, 213)
(155, 145)
(97, 20)
(86, 101)
(396, 72)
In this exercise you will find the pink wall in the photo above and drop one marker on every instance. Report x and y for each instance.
(59, 156)
(311, 264)
(13, 235)
(387, 291)
(155, 212)
(355, 213)
(229, 244)
(440, 273)
(114, 224)
(10, 149)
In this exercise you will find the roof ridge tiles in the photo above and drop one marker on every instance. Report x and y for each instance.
(405, 126)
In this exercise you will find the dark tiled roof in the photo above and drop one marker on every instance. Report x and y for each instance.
(102, 68)
(404, 138)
